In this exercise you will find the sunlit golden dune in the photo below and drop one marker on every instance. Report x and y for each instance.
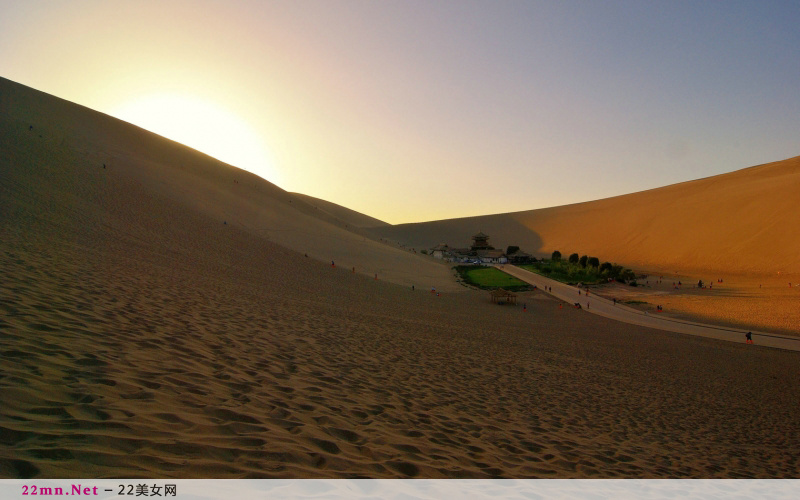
(741, 222)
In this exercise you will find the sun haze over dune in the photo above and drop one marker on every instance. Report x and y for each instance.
(202, 125)
(414, 111)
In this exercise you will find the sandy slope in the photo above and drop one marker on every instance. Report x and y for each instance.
(741, 222)
(141, 336)
(344, 214)
(130, 364)
(69, 145)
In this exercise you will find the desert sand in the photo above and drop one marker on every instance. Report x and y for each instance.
(614, 301)
(343, 214)
(740, 301)
(159, 318)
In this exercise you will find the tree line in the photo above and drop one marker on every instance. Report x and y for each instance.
(605, 269)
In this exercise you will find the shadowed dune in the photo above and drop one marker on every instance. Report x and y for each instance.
(102, 169)
(740, 222)
(158, 318)
(343, 214)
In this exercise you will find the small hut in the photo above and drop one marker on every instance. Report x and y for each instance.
(440, 251)
(501, 296)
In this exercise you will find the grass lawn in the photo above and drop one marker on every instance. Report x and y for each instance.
(489, 277)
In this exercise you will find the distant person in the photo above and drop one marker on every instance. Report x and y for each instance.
(615, 301)
(749, 337)
(333, 264)
(412, 288)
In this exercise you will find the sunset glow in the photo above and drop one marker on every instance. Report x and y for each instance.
(413, 111)
(202, 125)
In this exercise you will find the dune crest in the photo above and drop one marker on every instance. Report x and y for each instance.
(740, 222)
(108, 171)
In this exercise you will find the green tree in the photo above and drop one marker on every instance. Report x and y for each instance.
(583, 260)
(606, 267)
(573, 259)
(594, 262)
(512, 249)
(556, 255)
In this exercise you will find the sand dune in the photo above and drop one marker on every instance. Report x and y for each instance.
(70, 145)
(741, 222)
(158, 318)
(343, 214)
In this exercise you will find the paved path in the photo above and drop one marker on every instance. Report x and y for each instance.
(605, 307)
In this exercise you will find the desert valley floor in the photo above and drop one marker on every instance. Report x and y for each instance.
(122, 363)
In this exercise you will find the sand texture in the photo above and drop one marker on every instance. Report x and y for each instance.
(150, 326)
(748, 302)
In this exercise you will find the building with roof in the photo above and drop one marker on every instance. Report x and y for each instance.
(441, 251)
(481, 242)
(481, 252)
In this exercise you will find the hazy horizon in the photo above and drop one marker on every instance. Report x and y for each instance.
(420, 111)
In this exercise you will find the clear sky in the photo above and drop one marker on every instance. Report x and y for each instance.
(420, 110)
